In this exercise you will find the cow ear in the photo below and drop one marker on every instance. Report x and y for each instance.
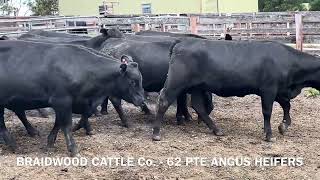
(115, 33)
(104, 31)
(126, 59)
(123, 68)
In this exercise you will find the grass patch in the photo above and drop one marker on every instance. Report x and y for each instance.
(312, 93)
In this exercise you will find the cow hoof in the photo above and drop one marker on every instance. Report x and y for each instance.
(77, 127)
(50, 149)
(2, 141)
(180, 121)
(188, 119)
(125, 125)
(218, 133)
(34, 133)
(147, 113)
(104, 112)
(13, 146)
(74, 153)
(269, 139)
(9, 141)
(90, 133)
(156, 137)
(282, 128)
(97, 114)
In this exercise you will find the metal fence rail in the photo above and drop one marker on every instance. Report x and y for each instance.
(21, 25)
(272, 26)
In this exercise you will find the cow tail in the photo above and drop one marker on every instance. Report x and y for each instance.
(172, 48)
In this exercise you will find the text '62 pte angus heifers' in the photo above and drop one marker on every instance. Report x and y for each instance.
(271, 70)
(70, 79)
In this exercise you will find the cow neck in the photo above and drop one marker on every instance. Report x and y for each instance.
(109, 75)
(96, 42)
(308, 71)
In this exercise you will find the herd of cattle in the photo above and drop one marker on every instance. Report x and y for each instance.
(75, 74)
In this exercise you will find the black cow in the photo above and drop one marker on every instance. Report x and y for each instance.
(53, 34)
(228, 37)
(4, 37)
(152, 55)
(70, 79)
(157, 33)
(95, 43)
(271, 70)
(42, 112)
(202, 98)
(115, 37)
(154, 70)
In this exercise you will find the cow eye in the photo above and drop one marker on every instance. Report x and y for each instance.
(133, 83)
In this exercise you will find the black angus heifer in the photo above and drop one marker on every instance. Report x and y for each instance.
(95, 43)
(152, 54)
(70, 79)
(153, 80)
(271, 70)
(200, 100)
(157, 33)
(53, 34)
(42, 112)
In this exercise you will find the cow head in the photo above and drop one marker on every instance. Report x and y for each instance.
(97, 42)
(4, 38)
(111, 33)
(130, 83)
(126, 59)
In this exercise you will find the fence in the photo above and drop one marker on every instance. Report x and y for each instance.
(289, 27)
(20, 25)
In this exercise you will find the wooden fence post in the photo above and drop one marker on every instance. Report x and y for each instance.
(194, 24)
(299, 31)
(136, 27)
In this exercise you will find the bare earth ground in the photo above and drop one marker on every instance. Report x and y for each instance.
(237, 116)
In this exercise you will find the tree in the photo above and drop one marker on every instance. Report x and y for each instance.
(10, 7)
(281, 5)
(44, 7)
(6, 9)
(315, 5)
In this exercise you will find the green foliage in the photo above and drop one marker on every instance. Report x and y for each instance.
(44, 7)
(315, 5)
(281, 5)
(312, 93)
(6, 9)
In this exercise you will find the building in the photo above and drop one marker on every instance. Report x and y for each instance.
(125, 7)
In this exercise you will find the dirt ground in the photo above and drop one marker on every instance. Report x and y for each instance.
(240, 118)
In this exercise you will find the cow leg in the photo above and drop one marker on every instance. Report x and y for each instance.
(285, 104)
(199, 104)
(8, 139)
(267, 104)
(182, 109)
(145, 109)
(96, 112)
(165, 100)
(63, 110)
(84, 123)
(206, 98)
(104, 106)
(117, 105)
(23, 118)
(53, 134)
(43, 113)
